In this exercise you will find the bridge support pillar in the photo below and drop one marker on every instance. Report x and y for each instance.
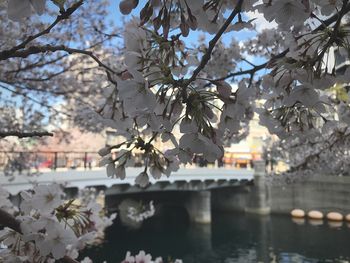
(259, 202)
(199, 207)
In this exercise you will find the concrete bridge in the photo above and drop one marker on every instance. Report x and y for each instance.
(183, 180)
(191, 188)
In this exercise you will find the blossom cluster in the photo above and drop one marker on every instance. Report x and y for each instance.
(142, 257)
(161, 91)
(49, 227)
(133, 213)
(164, 87)
(139, 216)
(196, 98)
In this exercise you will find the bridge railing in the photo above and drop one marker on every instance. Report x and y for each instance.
(47, 160)
(20, 161)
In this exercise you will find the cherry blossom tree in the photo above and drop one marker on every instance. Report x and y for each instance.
(44, 60)
(153, 84)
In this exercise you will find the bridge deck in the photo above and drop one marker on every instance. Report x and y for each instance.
(82, 179)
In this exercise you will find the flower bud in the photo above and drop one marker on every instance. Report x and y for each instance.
(224, 89)
(126, 6)
(104, 151)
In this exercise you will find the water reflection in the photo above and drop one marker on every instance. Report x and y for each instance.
(230, 238)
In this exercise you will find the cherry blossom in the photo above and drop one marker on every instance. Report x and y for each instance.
(156, 86)
(285, 12)
(20, 9)
(142, 257)
(142, 179)
(129, 258)
(43, 235)
(45, 198)
(138, 214)
(56, 240)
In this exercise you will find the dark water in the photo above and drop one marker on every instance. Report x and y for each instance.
(230, 238)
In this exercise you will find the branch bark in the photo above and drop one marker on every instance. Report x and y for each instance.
(333, 18)
(212, 43)
(253, 70)
(65, 14)
(25, 134)
(10, 221)
(49, 48)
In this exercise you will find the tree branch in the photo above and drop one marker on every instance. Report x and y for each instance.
(212, 43)
(332, 19)
(8, 220)
(25, 134)
(65, 14)
(49, 48)
(254, 69)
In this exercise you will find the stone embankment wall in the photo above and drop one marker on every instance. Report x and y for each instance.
(323, 193)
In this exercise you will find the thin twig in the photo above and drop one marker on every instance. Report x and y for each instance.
(34, 100)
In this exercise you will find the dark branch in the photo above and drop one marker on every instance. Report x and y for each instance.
(256, 68)
(49, 48)
(65, 14)
(24, 134)
(333, 18)
(10, 221)
(212, 43)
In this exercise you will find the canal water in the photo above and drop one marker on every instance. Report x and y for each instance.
(230, 238)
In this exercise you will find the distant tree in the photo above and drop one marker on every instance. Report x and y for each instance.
(54, 61)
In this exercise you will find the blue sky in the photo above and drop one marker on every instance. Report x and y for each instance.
(243, 35)
(117, 17)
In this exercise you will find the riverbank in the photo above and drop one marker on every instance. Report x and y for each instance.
(323, 193)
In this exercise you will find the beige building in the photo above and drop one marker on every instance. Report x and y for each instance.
(244, 153)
